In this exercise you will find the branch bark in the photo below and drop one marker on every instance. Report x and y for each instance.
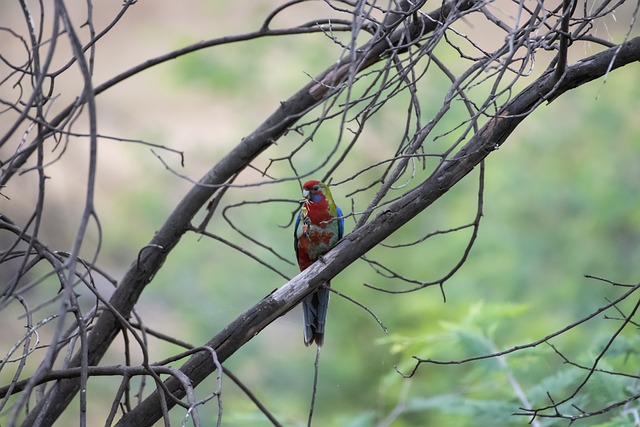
(490, 137)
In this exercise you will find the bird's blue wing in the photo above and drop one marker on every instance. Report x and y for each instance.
(340, 222)
(295, 233)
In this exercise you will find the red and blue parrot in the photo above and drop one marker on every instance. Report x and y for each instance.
(319, 226)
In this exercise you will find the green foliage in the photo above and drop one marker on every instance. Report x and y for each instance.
(620, 421)
(478, 411)
(489, 390)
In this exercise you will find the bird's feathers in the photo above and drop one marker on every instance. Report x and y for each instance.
(318, 227)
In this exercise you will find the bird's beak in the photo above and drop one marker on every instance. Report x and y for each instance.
(305, 196)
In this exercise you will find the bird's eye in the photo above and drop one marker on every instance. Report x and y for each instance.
(316, 188)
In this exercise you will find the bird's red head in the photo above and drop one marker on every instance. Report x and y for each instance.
(314, 191)
(310, 184)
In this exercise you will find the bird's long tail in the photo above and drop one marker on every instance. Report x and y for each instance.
(314, 311)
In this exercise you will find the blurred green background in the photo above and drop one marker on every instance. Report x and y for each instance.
(561, 200)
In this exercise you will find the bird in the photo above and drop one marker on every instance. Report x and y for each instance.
(318, 228)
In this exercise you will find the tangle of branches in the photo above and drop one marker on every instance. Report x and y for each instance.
(66, 309)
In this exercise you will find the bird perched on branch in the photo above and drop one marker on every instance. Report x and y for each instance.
(318, 228)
